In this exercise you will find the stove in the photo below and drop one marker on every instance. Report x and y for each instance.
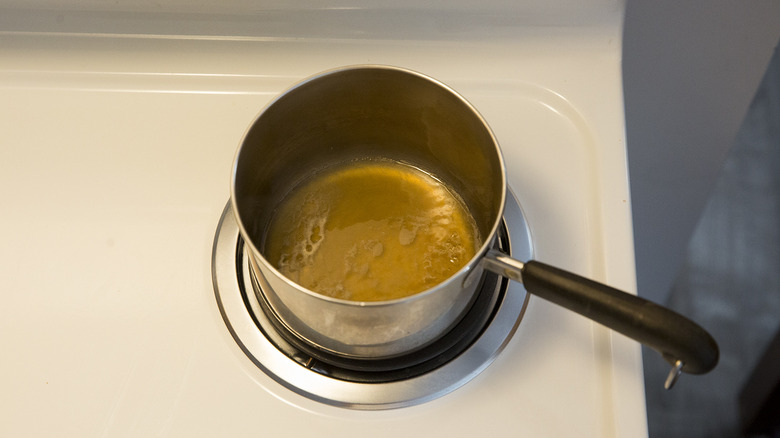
(119, 130)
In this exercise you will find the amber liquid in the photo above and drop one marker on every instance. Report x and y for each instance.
(370, 231)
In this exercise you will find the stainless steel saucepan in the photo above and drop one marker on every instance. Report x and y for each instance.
(361, 112)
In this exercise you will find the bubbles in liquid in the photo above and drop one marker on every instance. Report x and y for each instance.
(370, 231)
(304, 244)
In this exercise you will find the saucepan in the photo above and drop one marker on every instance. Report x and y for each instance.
(390, 113)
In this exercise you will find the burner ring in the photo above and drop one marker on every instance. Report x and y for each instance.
(339, 386)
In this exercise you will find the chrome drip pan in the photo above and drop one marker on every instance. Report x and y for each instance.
(406, 381)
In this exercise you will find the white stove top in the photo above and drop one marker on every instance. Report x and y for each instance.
(114, 170)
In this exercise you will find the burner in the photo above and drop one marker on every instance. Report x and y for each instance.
(444, 365)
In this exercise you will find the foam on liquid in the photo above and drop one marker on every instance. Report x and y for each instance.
(370, 231)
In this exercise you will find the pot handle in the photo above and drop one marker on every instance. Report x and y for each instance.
(680, 341)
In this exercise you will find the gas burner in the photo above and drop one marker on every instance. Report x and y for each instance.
(439, 368)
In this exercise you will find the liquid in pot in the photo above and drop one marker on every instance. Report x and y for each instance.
(370, 230)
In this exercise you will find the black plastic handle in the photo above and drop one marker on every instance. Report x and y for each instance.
(671, 334)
